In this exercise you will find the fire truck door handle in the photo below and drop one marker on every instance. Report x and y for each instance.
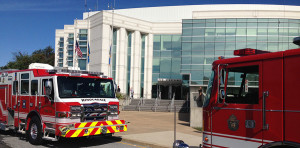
(40, 104)
(265, 95)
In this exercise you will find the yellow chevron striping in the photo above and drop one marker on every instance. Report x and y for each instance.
(89, 132)
(93, 124)
(98, 131)
(77, 133)
(115, 128)
(109, 123)
(119, 121)
(82, 125)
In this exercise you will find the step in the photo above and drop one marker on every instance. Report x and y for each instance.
(50, 138)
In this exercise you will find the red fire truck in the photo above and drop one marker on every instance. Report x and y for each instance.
(46, 104)
(252, 100)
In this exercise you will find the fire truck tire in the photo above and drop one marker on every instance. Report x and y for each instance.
(34, 132)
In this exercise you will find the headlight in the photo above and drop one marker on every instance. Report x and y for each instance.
(62, 114)
(75, 114)
(75, 108)
(113, 109)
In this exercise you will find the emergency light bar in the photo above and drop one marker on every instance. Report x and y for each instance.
(248, 51)
(74, 72)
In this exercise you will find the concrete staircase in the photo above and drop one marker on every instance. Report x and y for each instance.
(161, 105)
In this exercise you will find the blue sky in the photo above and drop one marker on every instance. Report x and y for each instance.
(28, 25)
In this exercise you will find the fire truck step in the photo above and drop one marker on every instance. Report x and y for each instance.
(50, 130)
(21, 131)
(50, 138)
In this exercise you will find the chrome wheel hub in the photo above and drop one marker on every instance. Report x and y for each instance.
(33, 131)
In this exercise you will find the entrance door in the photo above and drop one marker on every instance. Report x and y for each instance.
(237, 119)
(273, 108)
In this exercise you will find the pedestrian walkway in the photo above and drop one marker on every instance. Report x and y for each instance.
(156, 129)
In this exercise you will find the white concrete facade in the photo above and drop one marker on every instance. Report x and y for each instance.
(148, 22)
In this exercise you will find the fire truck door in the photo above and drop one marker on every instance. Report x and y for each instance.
(272, 106)
(47, 105)
(237, 120)
(3, 102)
(24, 95)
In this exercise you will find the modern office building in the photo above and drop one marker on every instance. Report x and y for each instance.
(168, 51)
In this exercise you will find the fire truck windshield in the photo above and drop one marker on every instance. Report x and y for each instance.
(77, 87)
(209, 88)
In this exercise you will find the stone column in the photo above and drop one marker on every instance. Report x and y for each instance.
(148, 67)
(121, 60)
(135, 73)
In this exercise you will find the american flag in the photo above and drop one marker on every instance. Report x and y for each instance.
(77, 49)
(89, 52)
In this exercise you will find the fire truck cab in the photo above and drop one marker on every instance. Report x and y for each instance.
(253, 100)
(47, 103)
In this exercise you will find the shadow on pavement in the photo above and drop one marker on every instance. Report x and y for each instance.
(64, 142)
(184, 117)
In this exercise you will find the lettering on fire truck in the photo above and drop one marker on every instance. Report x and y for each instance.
(47, 103)
(253, 101)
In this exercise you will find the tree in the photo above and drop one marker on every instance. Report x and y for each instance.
(23, 60)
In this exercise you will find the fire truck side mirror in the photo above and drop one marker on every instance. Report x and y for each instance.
(48, 86)
(222, 94)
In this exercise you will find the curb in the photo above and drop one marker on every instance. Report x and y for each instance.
(142, 143)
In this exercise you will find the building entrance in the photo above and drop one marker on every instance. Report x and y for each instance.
(169, 88)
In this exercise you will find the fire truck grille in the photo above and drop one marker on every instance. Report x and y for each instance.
(94, 112)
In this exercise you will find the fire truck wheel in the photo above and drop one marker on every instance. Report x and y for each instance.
(34, 133)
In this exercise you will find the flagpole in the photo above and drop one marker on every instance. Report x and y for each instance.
(75, 38)
(88, 42)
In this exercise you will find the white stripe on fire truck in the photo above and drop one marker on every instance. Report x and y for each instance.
(21, 115)
(219, 136)
(240, 137)
(4, 112)
(230, 142)
(47, 118)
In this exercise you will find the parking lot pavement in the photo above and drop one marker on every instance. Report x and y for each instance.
(145, 129)
(156, 129)
(11, 139)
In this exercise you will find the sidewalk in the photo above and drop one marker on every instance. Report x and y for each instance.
(156, 129)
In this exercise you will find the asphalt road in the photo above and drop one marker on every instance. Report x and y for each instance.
(11, 139)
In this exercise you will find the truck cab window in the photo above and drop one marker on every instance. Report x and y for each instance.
(25, 84)
(242, 85)
(44, 88)
(34, 87)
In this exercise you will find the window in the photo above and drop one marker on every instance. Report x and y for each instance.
(34, 87)
(77, 87)
(44, 88)
(15, 87)
(25, 84)
(242, 85)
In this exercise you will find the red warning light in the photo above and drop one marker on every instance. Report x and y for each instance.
(248, 51)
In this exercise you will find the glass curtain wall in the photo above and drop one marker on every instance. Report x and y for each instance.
(142, 63)
(61, 52)
(83, 39)
(114, 53)
(166, 59)
(129, 34)
(204, 40)
(70, 49)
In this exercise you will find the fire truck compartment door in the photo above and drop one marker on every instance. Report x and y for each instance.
(272, 109)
